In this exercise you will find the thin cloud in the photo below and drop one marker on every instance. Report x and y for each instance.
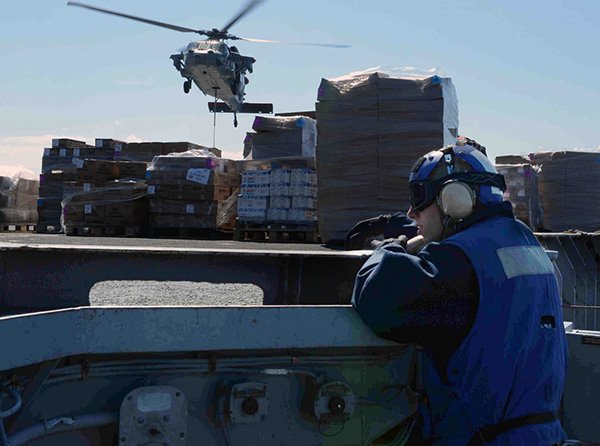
(133, 138)
(27, 151)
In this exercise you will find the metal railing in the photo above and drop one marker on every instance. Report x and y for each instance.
(577, 270)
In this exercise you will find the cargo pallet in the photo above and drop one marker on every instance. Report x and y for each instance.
(189, 233)
(105, 231)
(45, 228)
(276, 232)
(17, 227)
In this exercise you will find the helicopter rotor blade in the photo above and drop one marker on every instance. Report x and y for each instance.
(329, 45)
(245, 10)
(139, 19)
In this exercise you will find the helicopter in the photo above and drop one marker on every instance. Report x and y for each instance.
(217, 69)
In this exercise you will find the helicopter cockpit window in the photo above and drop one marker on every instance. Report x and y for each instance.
(193, 46)
(215, 47)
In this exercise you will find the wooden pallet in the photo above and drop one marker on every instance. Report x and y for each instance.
(276, 233)
(105, 231)
(189, 233)
(20, 227)
(45, 228)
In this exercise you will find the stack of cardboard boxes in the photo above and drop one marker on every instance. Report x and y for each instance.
(522, 190)
(279, 179)
(372, 127)
(108, 197)
(191, 191)
(146, 151)
(18, 201)
(279, 137)
(59, 164)
(569, 181)
(279, 195)
(100, 187)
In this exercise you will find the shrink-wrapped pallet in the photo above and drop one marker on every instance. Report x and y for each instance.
(372, 126)
(569, 187)
(146, 151)
(281, 136)
(18, 198)
(190, 190)
(522, 191)
(281, 191)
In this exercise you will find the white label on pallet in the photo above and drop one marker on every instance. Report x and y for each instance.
(198, 175)
(86, 187)
(87, 208)
(98, 142)
(151, 189)
(77, 162)
(46, 152)
(118, 147)
(189, 208)
(62, 152)
(76, 152)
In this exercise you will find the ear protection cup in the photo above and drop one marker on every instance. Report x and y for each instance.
(456, 200)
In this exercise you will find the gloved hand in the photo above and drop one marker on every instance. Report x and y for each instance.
(401, 241)
(358, 235)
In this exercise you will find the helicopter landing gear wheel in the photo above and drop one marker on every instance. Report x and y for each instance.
(235, 121)
(187, 86)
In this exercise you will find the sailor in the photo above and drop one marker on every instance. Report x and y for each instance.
(370, 232)
(481, 299)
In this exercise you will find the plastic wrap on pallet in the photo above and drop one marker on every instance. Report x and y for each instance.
(372, 126)
(276, 123)
(114, 203)
(192, 190)
(280, 136)
(522, 192)
(180, 163)
(569, 187)
(18, 196)
(227, 211)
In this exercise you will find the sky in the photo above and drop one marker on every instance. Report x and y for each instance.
(525, 72)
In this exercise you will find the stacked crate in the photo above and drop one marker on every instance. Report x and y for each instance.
(59, 164)
(569, 181)
(371, 129)
(277, 196)
(191, 193)
(18, 202)
(273, 194)
(280, 137)
(522, 190)
(146, 151)
(106, 198)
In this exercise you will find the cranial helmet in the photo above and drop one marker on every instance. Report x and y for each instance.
(457, 177)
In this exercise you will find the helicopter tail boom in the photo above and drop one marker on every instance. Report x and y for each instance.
(246, 107)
